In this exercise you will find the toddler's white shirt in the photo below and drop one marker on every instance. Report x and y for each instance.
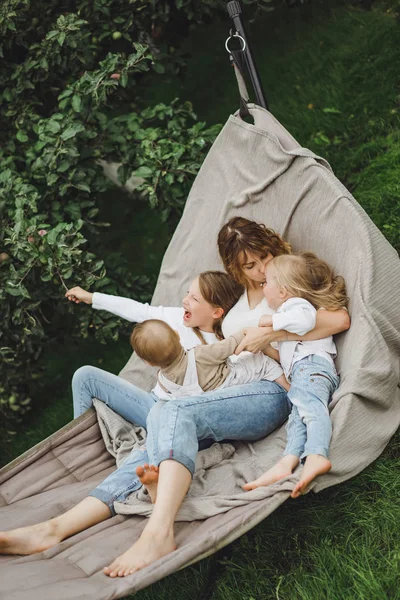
(297, 315)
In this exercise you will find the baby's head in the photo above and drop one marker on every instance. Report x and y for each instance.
(156, 343)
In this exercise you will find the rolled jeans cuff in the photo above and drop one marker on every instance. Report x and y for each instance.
(178, 456)
(109, 498)
(317, 450)
(293, 452)
(106, 498)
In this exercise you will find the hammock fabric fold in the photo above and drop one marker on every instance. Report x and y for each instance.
(259, 172)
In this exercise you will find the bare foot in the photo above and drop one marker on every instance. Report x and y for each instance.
(282, 469)
(29, 540)
(315, 465)
(148, 475)
(150, 547)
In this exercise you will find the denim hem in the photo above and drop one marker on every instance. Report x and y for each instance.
(321, 451)
(179, 457)
(105, 497)
(292, 452)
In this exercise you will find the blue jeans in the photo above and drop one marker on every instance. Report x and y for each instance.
(309, 428)
(130, 402)
(245, 412)
(254, 409)
(123, 397)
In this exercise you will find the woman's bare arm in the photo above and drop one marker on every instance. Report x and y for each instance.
(328, 323)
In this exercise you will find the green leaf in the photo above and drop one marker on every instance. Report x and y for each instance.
(61, 38)
(21, 136)
(76, 103)
(144, 172)
(63, 166)
(52, 178)
(52, 34)
(13, 291)
(82, 186)
(53, 233)
(65, 94)
(71, 131)
(53, 126)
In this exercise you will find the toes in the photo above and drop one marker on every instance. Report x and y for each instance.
(139, 471)
(146, 466)
(297, 490)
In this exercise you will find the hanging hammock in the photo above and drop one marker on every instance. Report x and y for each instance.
(259, 171)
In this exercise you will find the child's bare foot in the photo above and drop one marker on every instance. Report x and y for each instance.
(315, 465)
(29, 540)
(282, 469)
(148, 475)
(150, 547)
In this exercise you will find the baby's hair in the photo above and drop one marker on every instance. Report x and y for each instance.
(156, 342)
(306, 276)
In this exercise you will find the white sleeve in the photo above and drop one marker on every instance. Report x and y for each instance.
(134, 311)
(297, 316)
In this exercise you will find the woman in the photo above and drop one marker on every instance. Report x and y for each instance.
(254, 410)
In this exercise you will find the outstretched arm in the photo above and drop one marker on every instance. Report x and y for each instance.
(128, 309)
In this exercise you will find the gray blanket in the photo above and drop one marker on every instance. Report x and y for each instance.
(260, 172)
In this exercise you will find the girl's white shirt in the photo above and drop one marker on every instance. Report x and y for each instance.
(242, 316)
(137, 312)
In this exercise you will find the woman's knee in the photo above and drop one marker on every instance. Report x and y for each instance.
(83, 374)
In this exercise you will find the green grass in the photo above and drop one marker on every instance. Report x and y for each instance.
(345, 542)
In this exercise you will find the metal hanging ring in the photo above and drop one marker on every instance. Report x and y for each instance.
(235, 35)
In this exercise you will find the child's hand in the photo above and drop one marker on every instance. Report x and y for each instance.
(78, 295)
(265, 321)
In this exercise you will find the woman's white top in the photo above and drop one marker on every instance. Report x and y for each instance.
(137, 312)
(242, 316)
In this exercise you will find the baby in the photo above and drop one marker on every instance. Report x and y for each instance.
(186, 373)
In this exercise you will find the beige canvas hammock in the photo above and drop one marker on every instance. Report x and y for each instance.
(260, 172)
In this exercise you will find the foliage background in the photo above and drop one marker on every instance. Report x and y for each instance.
(330, 70)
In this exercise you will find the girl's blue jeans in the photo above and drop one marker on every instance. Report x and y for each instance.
(309, 428)
(246, 412)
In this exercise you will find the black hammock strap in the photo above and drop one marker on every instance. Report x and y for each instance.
(238, 63)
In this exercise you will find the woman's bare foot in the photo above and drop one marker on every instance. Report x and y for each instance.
(150, 547)
(148, 475)
(315, 465)
(282, 469)
(29, 540)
